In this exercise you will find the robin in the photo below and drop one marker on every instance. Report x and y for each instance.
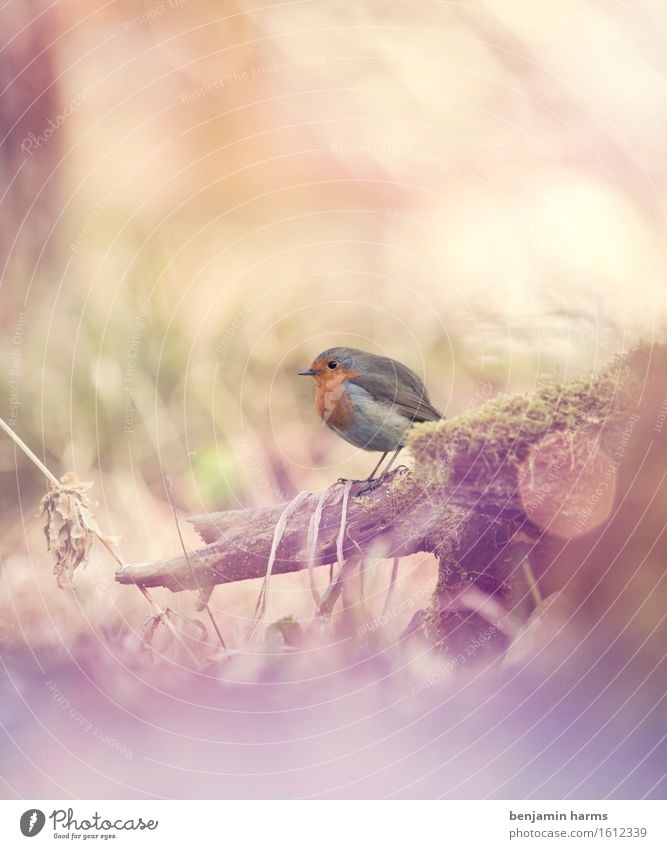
(370, 401)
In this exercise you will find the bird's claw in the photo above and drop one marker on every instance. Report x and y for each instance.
(376, 482)
(371, 485)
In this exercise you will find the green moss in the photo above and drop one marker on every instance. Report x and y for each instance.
(499, 434)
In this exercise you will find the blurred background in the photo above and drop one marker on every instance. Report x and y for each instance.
(196, 198)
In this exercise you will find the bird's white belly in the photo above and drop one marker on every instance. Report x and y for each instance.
(375, 426)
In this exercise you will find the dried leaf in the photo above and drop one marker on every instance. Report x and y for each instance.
(70, 526)
(286, 633)
(148, 630)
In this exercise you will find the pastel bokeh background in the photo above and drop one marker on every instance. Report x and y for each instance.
(196, 198)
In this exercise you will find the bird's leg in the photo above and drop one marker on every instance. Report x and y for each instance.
(370, 477)
(391, 462)
(374, 484)
(372, 474)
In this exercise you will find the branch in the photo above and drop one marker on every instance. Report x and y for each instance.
(395, 520)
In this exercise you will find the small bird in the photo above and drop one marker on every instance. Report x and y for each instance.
(370, 401)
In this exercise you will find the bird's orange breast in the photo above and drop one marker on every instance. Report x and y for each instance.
(334, 404)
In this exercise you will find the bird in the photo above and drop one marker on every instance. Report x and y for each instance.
(370, 401)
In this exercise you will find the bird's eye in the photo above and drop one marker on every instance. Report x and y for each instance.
(332, 363)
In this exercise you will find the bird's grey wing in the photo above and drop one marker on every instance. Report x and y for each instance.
(413, 404)
(409, 378)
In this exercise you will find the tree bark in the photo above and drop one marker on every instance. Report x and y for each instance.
(399, 518)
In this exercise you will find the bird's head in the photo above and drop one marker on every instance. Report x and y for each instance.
(336, 363)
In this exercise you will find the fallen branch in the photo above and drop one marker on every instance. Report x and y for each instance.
(391, 521)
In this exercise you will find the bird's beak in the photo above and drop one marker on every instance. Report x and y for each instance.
(310, 372)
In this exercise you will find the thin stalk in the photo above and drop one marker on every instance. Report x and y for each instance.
(532, 582)
(170, 487)
(392, 586)
(29, 453)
